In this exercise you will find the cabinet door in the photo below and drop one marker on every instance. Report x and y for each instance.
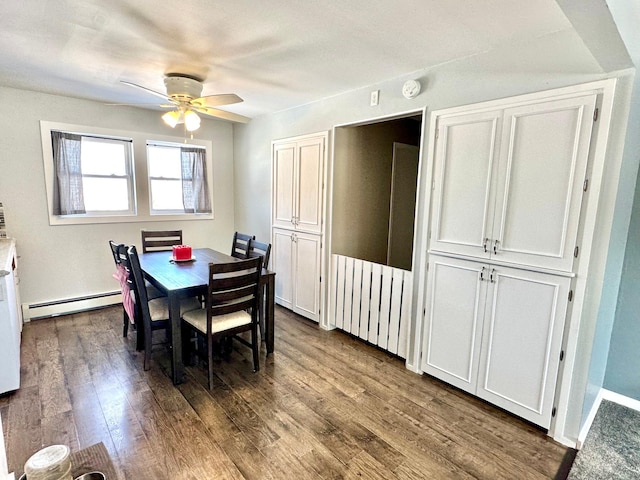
(309, 184)
(463, 204)
(544, 153)
(284, 191)
(521, 342)
(455, 305)
(306, 275)
(282, 264)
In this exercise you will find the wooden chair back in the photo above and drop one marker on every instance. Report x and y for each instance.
(160, 240)
(114, 251)
(233, 287)
(241, 245)
(260, 249)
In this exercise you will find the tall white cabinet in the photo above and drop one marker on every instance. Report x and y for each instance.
(506, 197)
(298, 168)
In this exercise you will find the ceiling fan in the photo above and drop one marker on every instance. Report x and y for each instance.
(184, 99)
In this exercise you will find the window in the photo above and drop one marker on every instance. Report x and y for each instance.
(106, 175)
(177, 179)
(93, 175)
(165, 178)
(100, 175)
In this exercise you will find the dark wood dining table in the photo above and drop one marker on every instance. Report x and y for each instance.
(178, 280)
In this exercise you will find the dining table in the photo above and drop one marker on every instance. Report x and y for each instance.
(183, 279)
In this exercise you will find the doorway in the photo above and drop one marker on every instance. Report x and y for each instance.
(374, 184)
(375, 172)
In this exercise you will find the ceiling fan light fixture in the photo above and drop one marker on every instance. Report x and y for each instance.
(172, 118)
(191, 120)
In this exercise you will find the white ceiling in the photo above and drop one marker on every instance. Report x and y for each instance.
(276, 54)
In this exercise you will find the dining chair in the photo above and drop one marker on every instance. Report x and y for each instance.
(160, 240)
(260, 249)
(241, 245)
(231, 307)
(154, 313)
(116, 249)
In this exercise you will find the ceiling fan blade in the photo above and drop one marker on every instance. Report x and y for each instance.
(216, 100)
(173, 105)
(214, 112)
(148, 90)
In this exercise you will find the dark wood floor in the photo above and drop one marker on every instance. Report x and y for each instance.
(323, 406)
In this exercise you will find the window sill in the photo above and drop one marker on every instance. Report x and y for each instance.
(80, 220)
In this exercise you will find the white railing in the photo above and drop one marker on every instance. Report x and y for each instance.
(371, 301)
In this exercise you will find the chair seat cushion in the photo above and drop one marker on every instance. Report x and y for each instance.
(198, 319)
(159, 307)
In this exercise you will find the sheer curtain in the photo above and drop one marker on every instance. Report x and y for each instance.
(195, 190)
(68, 196)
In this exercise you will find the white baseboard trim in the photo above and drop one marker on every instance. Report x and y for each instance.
(628, 402)
(604, 394)
(69, 305)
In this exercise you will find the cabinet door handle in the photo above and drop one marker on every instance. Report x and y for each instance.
(491, 279)
(484, 245)
(495, 246)
(482, 275)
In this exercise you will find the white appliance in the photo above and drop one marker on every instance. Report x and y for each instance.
(10, 318)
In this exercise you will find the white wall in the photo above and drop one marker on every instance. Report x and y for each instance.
(557, 60)
(68, 261)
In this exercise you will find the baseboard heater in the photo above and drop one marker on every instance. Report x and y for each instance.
(55, 308)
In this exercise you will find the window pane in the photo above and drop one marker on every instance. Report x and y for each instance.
(101, 157)
(164, 162)
(105, 194)
(166, 195)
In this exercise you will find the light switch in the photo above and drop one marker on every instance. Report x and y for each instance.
(375, 97)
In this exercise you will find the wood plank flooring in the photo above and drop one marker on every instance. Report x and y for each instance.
(323, 406)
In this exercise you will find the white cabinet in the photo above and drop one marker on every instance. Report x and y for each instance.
(10, 318)
(297, 183)
(297, 210)
(496, 332)
(296, 261)
(508, 182)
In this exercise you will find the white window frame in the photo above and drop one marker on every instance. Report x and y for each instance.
(141, 182)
